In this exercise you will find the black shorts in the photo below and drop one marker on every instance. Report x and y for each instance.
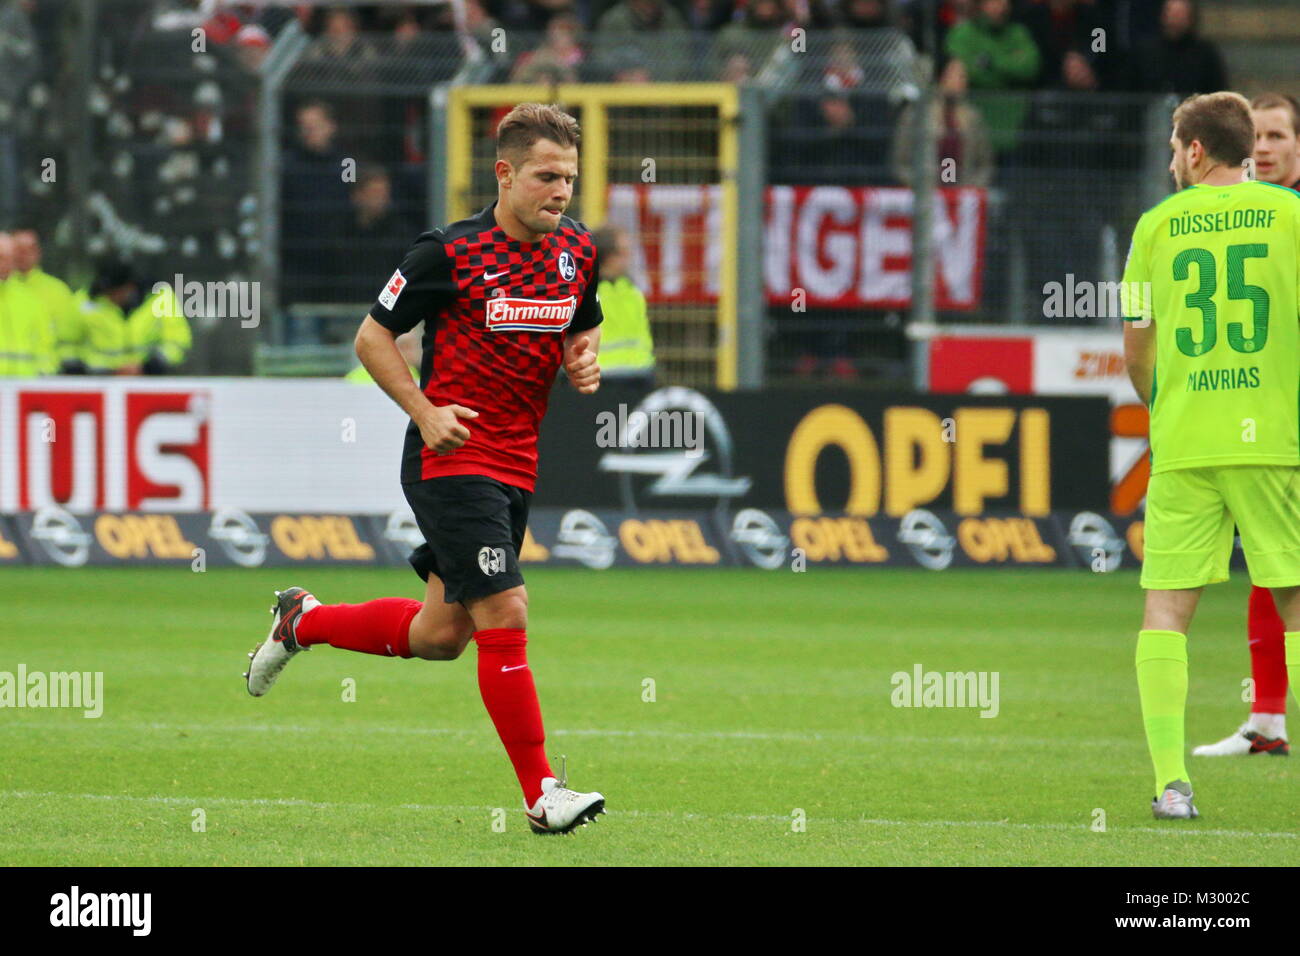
(473, 529)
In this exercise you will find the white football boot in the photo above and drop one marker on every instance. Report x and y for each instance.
(1243, 742)
(268, 658)
(1174, 804)
(560, 810)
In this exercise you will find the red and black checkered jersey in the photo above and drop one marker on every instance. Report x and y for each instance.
(496, 313)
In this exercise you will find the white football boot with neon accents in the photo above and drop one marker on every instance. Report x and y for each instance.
(561, 810)
(1175, 803)
(267, 659)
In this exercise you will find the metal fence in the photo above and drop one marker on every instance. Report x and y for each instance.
(309, 168)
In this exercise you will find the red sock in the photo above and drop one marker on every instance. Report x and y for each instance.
(510, 696)
(1267, 654)
(380, 627)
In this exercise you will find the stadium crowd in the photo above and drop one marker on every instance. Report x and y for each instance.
(841, 127)
(1025, 44)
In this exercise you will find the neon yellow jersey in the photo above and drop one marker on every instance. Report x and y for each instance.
(1218, 269)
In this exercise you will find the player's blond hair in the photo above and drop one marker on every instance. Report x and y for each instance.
(1222, 123)
(1279, 101)
(527, 123)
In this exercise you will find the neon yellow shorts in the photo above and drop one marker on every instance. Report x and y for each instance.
(1189, 526)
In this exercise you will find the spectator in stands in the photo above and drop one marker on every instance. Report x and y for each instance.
(947, 14)
(52, 292)
(993, 55)
(708, 15)
(379, 235)
(560, 53)
(640, 16)
(1178, 60)
(26, 333)
(832, 149)
(340, 51)
(314, 206)
(1277, 139)
(478, 24)
(888, 51)
(746, 46)
(252, 44)
(531, 15)
(964, 152)
(626, 345)
(641, 24)
(20, 64)
(864, 14)
(545, 69)
(842, 70)
(1062, 27)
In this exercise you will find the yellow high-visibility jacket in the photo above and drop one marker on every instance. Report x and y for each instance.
(26, 333)
(159, 325)
(61, 307)
(625, 341)
(109, 339)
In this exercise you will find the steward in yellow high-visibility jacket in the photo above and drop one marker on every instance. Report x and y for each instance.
(60, 308)
(160, 333)
(53, 293)
(152, 338)
(627, 350)
(26, 334)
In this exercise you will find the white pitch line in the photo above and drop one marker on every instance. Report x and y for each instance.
(1175, 830)
(900, 739)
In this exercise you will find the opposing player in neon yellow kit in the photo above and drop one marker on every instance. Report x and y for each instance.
(1212, 294)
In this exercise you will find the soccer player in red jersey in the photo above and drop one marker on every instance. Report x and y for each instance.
(1277, 160)
(507, 296)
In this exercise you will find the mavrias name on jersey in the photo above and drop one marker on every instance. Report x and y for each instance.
(530, 315)
(1221, 379)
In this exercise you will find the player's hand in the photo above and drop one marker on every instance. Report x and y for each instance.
(580, 365)
(441, 428)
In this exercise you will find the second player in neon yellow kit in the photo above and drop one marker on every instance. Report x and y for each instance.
(1212, 287)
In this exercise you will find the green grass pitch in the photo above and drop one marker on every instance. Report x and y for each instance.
(772, 705)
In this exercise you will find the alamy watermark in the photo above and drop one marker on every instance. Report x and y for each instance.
(133, 911)
(1083, 299)
(921, 688)
(211, 300)
(81, 689)
(668, 428)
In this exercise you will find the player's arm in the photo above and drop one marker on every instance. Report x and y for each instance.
(1140, 355)
(582, 342)
(422, 286)
(377, 349)
(1139, 321)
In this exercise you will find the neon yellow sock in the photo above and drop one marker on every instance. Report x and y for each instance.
(1293, 662)
(1162, 686)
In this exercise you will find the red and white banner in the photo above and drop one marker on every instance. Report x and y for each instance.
(179, 445)
(824, 246)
